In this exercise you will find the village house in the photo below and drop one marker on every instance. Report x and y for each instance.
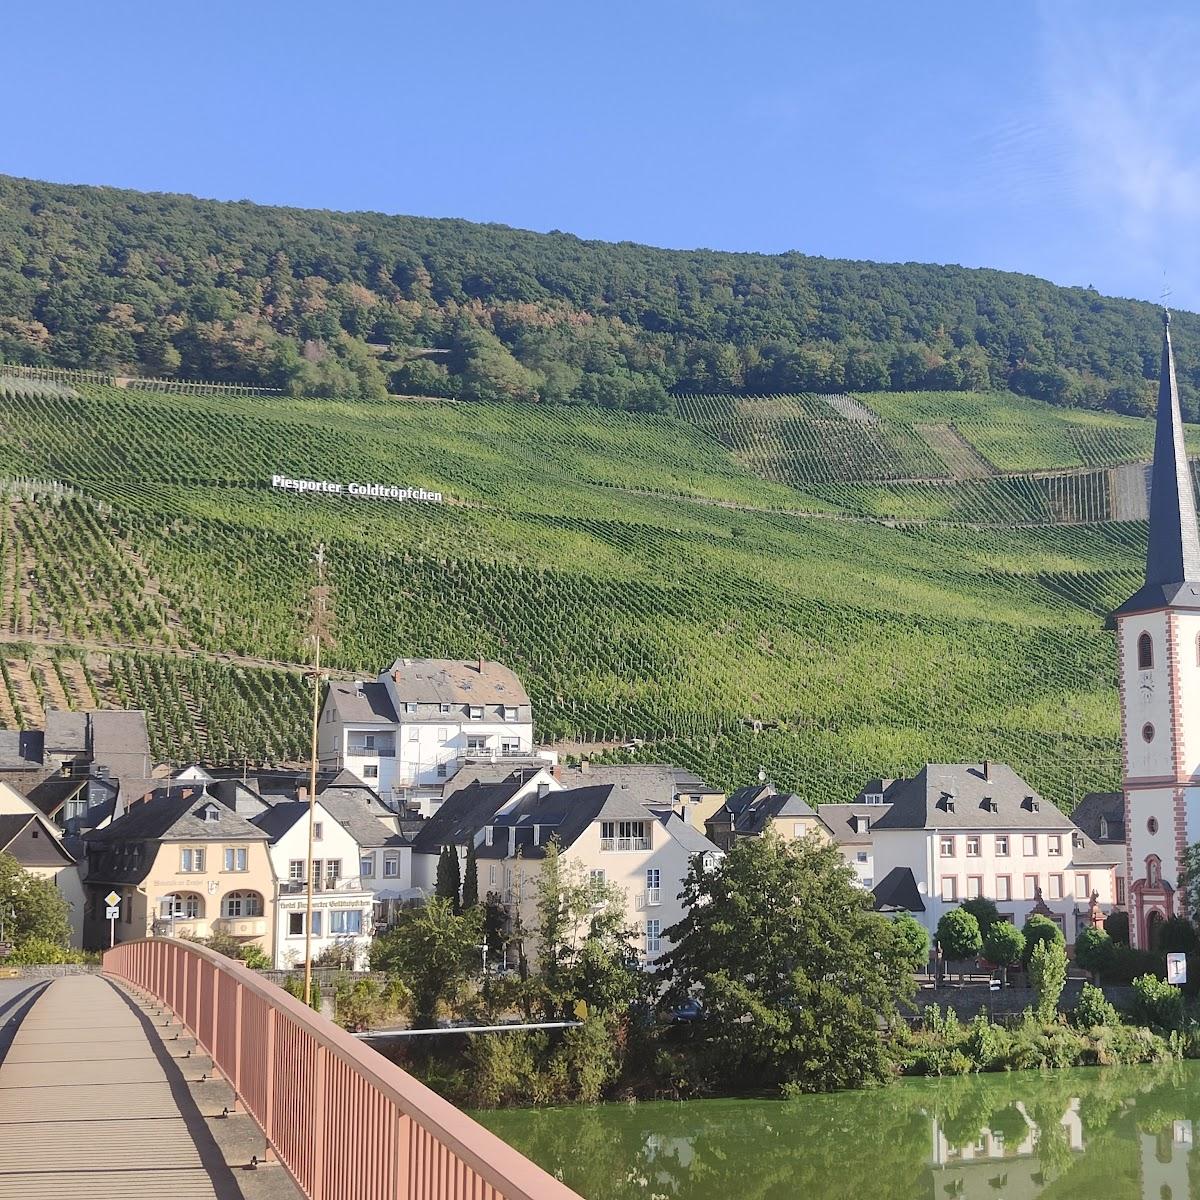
(37, 846)
(752, 811)
(960, 831)
(183, 864)
(851, 827)
(343, 916)
(408, 732)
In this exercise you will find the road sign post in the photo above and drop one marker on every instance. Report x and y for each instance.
(112, 910)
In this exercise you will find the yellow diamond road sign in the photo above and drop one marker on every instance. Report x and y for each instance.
(112, 899)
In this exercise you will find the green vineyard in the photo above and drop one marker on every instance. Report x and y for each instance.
(827, 587)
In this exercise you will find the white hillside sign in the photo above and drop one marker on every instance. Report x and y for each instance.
(369, 491)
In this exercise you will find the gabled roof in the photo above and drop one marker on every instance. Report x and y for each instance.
(686, 834)
(66, 732)
(1101, 807)
(363, 815)
(453, 681)
(659, 783)
(757, 816)
(13, 825)
(560, 815)
(120, 741)
(51, 794)
(842, 820)
(968, 796)
(741, 798)
(468, 809)
(1173, 547)
(897, 892)
(361, 702)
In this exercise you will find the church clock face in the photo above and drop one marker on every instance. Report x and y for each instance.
(1147, 687)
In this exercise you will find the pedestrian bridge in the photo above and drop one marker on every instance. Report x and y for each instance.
(129, 1085)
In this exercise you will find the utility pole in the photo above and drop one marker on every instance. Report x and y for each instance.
(320, 614)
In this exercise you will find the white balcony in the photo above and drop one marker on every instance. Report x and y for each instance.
(248, 927)
(620, 845)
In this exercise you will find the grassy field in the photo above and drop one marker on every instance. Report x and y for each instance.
(767, 582)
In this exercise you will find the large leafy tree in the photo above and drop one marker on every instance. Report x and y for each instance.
(958, 935)
(792, 966)
(31, 907)
(1003, 945)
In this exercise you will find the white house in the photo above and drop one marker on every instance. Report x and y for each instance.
(343, 917)
(852, 829)
(964, 830)
(408, 732)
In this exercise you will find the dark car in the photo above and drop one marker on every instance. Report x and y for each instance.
(689, 1010)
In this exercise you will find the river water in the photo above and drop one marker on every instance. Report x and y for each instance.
(1100, 1134)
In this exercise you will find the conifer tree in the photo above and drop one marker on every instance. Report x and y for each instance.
(470, 886)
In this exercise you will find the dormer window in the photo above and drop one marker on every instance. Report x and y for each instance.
(946, 803)
(475, 711)
(1032, 804)
(1145, 652)
(1103, 828)
(510, 712)
(989, 804)
(873, 798)
(488, 835)
(210, 813)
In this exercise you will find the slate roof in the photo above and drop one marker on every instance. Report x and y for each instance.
(659, 783)
(11, 824)
(754, 819)
(468, 809)
(741, 798)
(120, 741)
(66, 732)
(362, 702)
(452, 681)
(52, 793)
(21, 749)
(1085, 852)
(839, 819)
(170, 814)
(959, 795)
(1173, 547)
(687, 835)
(277, 819)
(1097, 806)
(897, 892)
(362, 814)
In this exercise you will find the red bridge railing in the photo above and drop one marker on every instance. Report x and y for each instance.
(345, 1123)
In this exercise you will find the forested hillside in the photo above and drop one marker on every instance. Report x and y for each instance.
(361, 304)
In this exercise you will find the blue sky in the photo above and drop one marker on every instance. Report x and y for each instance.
(1057, 138)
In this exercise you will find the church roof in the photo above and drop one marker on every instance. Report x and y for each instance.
(1173, 551)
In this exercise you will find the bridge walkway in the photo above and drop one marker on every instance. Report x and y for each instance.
(94, 1103)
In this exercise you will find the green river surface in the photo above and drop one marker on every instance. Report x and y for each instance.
(1089, 1134)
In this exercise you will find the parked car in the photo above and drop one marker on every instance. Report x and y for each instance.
(689, 1010)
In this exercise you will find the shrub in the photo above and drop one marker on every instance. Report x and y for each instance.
(34, 952)
(1127, 964)
(1092, 1009)
(958, 935)
(1157, 1003)
(1048, 974)
(984, 911)
(1039, 929)
(1175, 935)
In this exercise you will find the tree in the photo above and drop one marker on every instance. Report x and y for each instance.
(1039, 929)
(913, 940)
(470, 886)
(1116, 925)
(794, 969)
(434, 951)
(1048, 974)
(984, 911)
(1003, 945)
(1094, 952)
(447, 881)
(958, 936)
(31, 907)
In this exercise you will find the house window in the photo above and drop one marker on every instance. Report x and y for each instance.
(653, 933)
(1002, 845)
(1003, 887)
(475, 711)
(235, 858)
(366, 866)
(1145, 652)
(949, 888)
(345, 921)
(1054, 845)
(296, 924)
(410, 706)
(1152, 825)
(183, 905)
(623, 835)
(1120, 890)
(1031, 886)
(861, 856)
(974, 887)
(191, 860)
(242, 904)
(318, 830)
(873, 798)
(443, 708)
(510, 712)
(1104, 829)
(653, 886)
(492, 873)
(442, 735)
(211, 813)
(477, 744)
(1056, 887)
(947, 847)
(973, 846)
(510, 747)
(598, 877)
(414, 734)
(798, 829)
(391, 866)
(1083, 887)
(489, 834)
(368, 743)
(441, 770)
(1029, 845)
(333, 872)
(371, 772)
(296, 870)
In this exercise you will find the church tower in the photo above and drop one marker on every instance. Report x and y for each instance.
(1158, 655)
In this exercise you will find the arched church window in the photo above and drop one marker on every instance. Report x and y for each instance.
(1152, 825)
(1153, 871)
(1147, 732)
(1145, 652)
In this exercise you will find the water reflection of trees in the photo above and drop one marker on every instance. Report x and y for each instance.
(1071, 1135)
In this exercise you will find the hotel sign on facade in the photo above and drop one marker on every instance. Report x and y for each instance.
(370, 491)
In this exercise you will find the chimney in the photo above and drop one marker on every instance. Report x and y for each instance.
(556, 771)
(543, 789)
(987, 770)
(480, 667)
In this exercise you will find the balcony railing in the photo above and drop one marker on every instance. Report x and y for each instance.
(362, 750)
(345, 1123)
(653, 897)
(620, 844)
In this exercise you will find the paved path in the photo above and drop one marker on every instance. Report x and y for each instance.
(93, 1104)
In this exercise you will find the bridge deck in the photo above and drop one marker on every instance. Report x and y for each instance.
(92, 1103)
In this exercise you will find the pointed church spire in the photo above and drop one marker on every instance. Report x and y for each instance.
(1173, 555)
